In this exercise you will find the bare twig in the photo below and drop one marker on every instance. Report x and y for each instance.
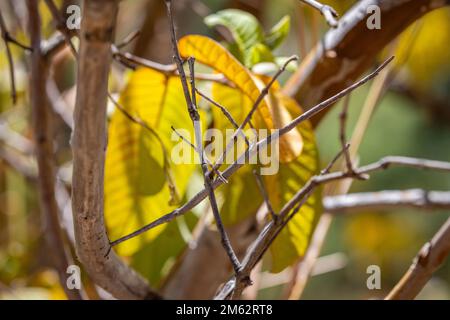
(219, 174)
(195, 117)
(226, 113)
(381, 200)
(237, 284)
(323, 72)
(328, 12)
(330, 165)
(342, 135)
(304, 268)
(61, 25)
(250, 152)
(132, 61)
(428, 260)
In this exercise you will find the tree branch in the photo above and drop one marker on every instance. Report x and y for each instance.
(248, 154)
(428, 260)
(382, 200)
(195, 117)
(350, 49)
(237, 284)
(328, 12)
(88, 145)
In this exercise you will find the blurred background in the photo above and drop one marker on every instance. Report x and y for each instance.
(412, 118)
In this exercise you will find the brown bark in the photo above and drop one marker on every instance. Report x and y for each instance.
(349, 50)
(89, 144)
(43, 137)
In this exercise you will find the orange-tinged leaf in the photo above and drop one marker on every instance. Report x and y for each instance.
(214, 55)
(291, 143)
(274, 116)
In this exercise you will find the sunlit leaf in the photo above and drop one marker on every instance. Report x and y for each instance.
(260, 53)
(211, 53)
(278, 33)
(244, 28)
(293, 240)
(214, 55)
(137, 188)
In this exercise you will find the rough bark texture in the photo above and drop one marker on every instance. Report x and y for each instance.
(89, 144)
(349, 50)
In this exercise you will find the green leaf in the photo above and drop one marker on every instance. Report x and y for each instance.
(244, 27)
(259, 53)
(278, 33)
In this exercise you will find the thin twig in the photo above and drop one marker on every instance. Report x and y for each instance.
(219, 174)
(268, 235)
(132, 61)
(249, 153)
(342, 135)
(330, 165)
(304, 268)
(225, 112)
(61, 25)
(129, 60)
(328, 12)
(262, 189)
(264, 92)
(237, 284)
(190, 98)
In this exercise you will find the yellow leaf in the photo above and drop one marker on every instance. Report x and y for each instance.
(136, 180)
(291, 143)
(293, 240)
(212, 54)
